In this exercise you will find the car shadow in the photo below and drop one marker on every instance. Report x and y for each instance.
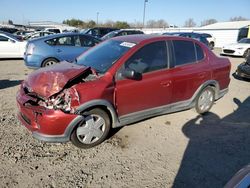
(7, 59)
(217, 148)
(9, 83)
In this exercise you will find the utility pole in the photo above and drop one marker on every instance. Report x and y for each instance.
(97, 15)
(144, 10)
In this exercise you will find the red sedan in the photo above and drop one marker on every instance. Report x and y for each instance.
(118, 82)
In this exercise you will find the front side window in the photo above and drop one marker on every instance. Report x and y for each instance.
(149, 58)
(184, 52)
(88, 42)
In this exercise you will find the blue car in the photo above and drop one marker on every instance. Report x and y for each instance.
(46, 51)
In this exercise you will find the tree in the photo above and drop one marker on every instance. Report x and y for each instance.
(90, 24)
(238, 18)
(189, 23)
(122, 25)
(109, 23)
(10, 22)
(75, 22)
(157, 23)
(208, 22)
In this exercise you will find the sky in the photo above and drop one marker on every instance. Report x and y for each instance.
(175, 12)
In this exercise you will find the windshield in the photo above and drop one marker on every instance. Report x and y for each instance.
(245, 40)
(104, 55)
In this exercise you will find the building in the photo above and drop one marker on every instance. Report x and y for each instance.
(49, 24)
(224, 32)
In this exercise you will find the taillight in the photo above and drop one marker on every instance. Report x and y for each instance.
(30, 49)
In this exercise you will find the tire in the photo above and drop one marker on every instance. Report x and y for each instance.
(246, 53)
(205, 100)
(93, 130)
(211, 45)
(49, 62)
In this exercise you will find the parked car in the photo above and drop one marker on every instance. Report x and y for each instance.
(22, 34)
(10, 46)
(37, 35)
(243, 70)
(8, 30)
(192, 35)
(52, 49)
(121, 32)
(98, 32)
(241, 179)
(241, 48)
(81, 102)
(53, 30)
(211, 39)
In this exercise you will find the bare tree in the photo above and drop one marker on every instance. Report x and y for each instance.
(157, 23)
(208, 22)
(109, 23)
(238, 18)
(189, 23)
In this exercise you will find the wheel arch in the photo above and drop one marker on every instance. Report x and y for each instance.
(210, 83)
(102, 104)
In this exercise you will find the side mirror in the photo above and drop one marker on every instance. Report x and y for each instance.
(131, 74)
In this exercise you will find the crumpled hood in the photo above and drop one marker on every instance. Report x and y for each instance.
(48, 81)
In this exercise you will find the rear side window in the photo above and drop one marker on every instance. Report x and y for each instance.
(184, 52)
(61, 41)
(199, 52)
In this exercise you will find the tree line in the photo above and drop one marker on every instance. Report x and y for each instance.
(149, 24)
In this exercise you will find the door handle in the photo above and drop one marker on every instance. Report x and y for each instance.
(59, 50)
(166, 83)
(202, 75)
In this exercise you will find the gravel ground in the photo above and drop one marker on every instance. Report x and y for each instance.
(176, 150)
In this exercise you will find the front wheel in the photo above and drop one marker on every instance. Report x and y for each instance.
(92, 130)
(205, 100)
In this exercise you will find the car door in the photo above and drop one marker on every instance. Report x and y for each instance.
(153, 89)
(9, 47)
(68, 47)
(190, 69)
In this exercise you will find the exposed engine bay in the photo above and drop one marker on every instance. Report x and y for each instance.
(67, 97)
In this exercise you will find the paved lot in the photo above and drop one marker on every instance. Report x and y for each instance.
(176, 150)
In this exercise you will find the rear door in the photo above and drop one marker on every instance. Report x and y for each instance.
(68, 47)
(190, 69)
(155, 87)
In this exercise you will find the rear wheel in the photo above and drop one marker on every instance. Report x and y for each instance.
(93, 130)
(205, 100)
(49, 62)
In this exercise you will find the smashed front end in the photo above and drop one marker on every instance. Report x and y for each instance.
(48, 99)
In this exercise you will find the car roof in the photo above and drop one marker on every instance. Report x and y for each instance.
(138, 38)
(59, 35)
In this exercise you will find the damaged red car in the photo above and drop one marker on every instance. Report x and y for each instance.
(118, 82)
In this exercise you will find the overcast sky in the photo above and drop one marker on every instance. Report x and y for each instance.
(173, 11)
